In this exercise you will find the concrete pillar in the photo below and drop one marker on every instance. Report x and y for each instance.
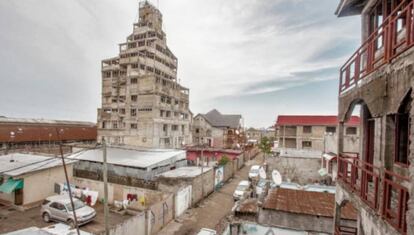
(337, 216)
(340, 137)
(410, 213)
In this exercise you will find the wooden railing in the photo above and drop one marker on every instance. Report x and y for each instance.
(395, 200)
(365, 179)
(390, 39)
(345, 230)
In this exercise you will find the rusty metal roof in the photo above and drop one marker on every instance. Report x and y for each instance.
(46, 131)
(248, 206)
(306, 202)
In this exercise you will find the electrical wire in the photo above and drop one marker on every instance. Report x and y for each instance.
(47, 160)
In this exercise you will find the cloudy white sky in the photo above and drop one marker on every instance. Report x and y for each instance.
(260, 58)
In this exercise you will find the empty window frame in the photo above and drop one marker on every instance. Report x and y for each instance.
(330, 129)
(402, 138)
(351, 130)
(133, 112)
(307, 144)
(134, 80)
(307, 129)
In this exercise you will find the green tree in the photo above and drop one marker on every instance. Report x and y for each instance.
(265, 146)
(224, 160)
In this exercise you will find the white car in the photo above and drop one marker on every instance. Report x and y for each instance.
(242, 190)
(260, 187)
(207, 231)
(59, 208)
(254, 171)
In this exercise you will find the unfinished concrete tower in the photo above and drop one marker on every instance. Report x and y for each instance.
(142, 103)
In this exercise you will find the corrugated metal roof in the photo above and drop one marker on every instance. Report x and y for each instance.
(28, 130)
(313, 120)
(185, 172)
(43, 121)
(26, 163)
(132, 157)
(306, 202)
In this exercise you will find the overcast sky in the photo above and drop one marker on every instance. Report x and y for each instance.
(259, 58)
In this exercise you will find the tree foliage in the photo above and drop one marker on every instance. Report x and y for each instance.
(265, 145)
(223, 160)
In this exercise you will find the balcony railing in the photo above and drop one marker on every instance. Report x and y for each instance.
(365, 179)
(390, 39)
(345, 230)
(396, 196)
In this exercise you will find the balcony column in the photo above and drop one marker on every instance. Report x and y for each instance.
(337, 217)
(410, 212)
(340, 137)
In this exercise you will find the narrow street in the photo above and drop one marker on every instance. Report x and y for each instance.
(212, 210)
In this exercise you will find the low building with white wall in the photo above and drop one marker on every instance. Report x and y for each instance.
(128, 166)
(25, 180)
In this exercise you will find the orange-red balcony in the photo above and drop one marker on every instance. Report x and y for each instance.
(394, 36)
(376, 185)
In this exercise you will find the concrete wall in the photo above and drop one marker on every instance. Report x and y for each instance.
(161, 213)
(133, 226)
(124, 175)
(117, 192)
(199, 184)
(297, 169)
(299, 221)
(39, 185)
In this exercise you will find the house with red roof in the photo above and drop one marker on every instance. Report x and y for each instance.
(309, 132)
(316, 137)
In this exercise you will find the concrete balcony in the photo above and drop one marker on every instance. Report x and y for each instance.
(393, 37)
(384, 191)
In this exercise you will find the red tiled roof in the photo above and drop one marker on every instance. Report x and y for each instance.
(313, 120)
(306, 202)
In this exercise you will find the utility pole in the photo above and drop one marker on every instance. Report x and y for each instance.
(105, 178)
(202, 172)
(67, 183)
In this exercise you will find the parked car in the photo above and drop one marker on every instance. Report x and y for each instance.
(59, 208)
(242, 190)
(207, 231)
(254, 171)
(261, 187)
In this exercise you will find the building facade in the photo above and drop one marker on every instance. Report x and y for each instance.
(143, 104)
(26, 179)
(314, 133)
(378, 80)
(218, 130)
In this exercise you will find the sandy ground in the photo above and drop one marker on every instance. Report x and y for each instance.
(212, 211)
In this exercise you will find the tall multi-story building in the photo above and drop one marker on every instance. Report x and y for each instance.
(143, 104)
(379, 178)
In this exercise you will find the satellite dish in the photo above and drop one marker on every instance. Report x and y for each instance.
(237, 131)
(276, 177)
(262, 173)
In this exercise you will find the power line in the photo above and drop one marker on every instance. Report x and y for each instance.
(46, 160)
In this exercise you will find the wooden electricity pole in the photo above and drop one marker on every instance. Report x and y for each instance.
(105, 179)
